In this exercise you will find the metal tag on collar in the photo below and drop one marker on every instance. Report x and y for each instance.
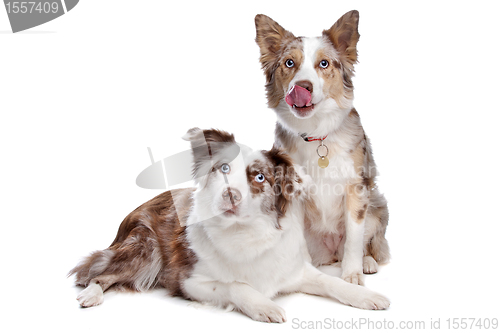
(323, 159)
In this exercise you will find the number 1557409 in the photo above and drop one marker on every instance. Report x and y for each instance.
(25, 7)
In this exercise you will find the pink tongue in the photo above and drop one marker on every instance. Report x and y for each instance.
(299, 97)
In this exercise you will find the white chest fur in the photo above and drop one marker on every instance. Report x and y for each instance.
(258, 254)
(329, 186)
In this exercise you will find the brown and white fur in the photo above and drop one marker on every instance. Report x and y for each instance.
(353, 215)
(235, 240)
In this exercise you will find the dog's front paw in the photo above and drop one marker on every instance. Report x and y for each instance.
(370, 266)
(371, 300)
(268, 312)
(91, 296)
(354, 278)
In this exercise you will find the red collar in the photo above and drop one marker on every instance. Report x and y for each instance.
(311, 138)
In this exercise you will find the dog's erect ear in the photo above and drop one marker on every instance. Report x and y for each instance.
(344, 35)
(285, 179)
(206, 143)
(270, 35)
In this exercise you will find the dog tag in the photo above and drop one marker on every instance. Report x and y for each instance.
(323, 162)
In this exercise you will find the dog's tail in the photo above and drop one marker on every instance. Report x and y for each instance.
(133, 261)
(92, 266)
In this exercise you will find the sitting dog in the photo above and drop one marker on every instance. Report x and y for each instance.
(235, 240)
(309, 86)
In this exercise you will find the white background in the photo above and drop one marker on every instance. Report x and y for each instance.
(83, 96)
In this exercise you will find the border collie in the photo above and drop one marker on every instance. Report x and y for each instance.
(235, 240)
(309, 86)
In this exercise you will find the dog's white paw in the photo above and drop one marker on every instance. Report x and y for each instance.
(267, 312)
(91, 296)
(370, 266)
(371, 300)
(354, 278)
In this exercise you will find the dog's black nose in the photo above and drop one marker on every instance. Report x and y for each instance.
(232, 196)
(305, 84)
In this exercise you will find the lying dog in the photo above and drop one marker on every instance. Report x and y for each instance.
(309, 86)
(236, 240)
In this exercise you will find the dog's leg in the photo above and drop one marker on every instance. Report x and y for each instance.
(94, 293)
(352, 262)
(246, 299)
(377, 218)
(316, 282)
(356, 206)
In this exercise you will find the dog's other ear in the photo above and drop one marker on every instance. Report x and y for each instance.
(344, 35)
(204, 144)
(270, 35)
(285, 179)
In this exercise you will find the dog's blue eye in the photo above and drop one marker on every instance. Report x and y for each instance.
(323, 64)
(289, 63)
(225, 168)
(260, 178)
